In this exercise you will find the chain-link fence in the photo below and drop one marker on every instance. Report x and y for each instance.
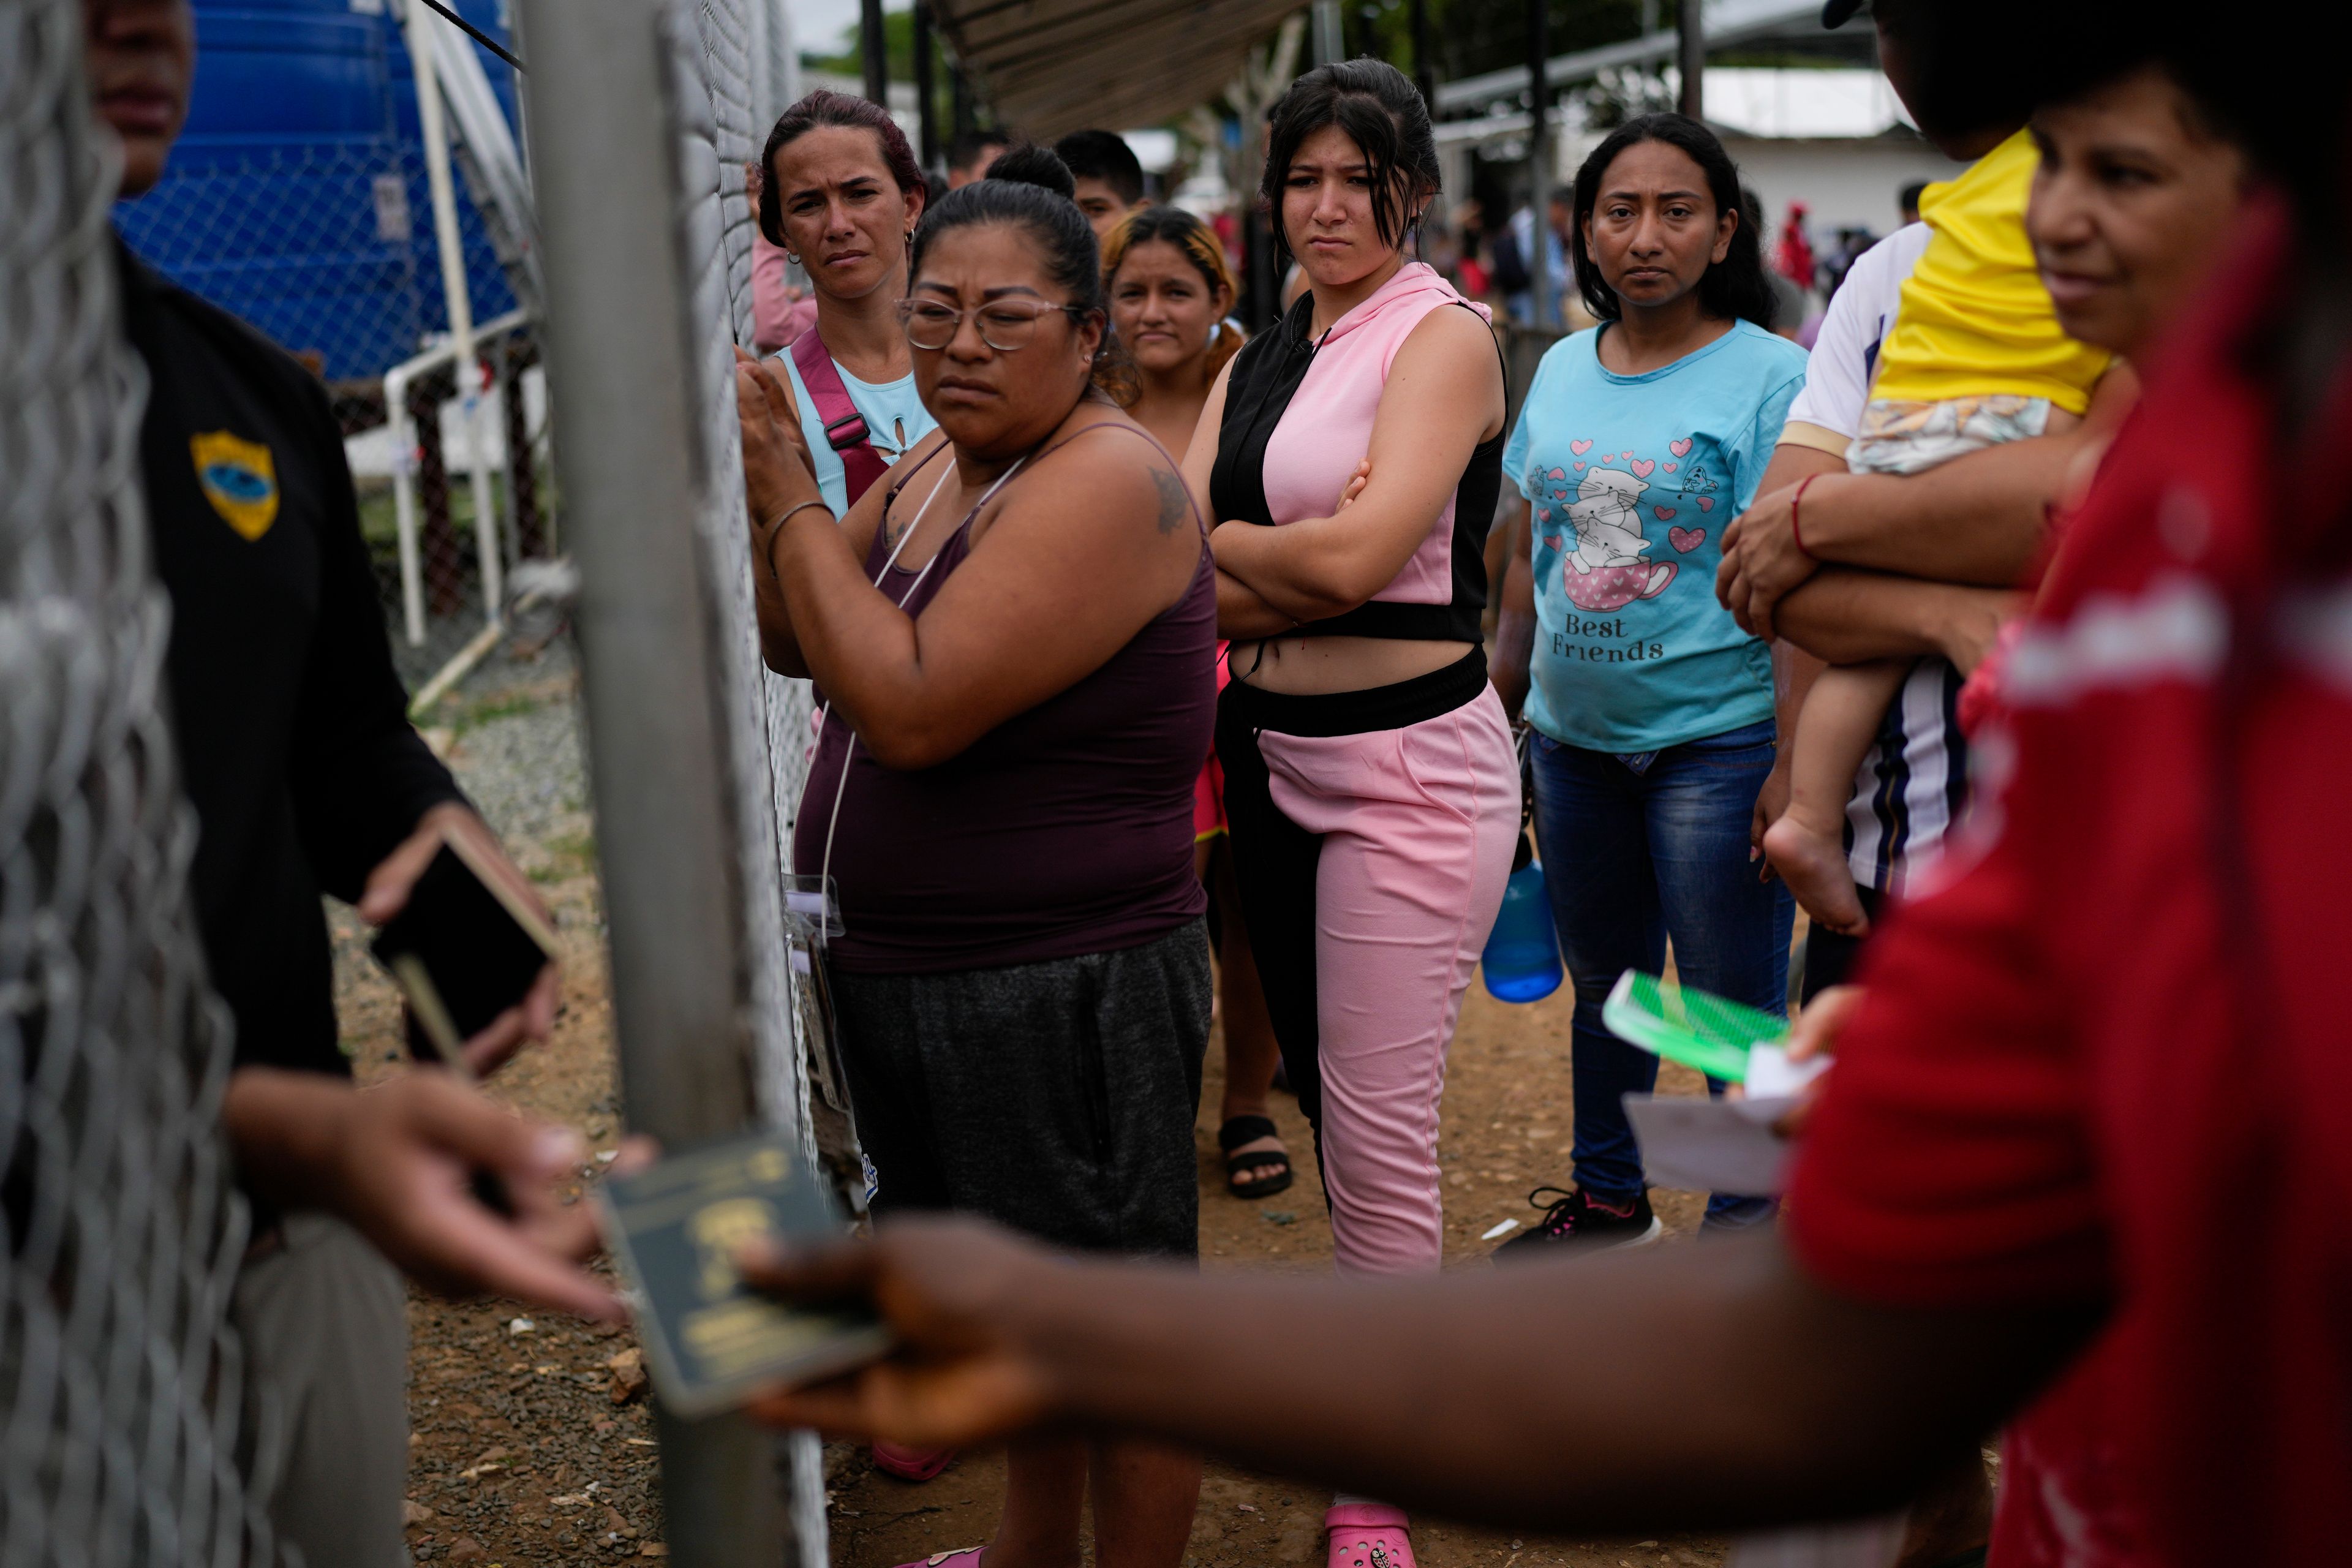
(414, 448)
(120, 1382)
(768, 714)
(323, 240)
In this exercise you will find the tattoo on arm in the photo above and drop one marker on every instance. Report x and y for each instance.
(1175, 500)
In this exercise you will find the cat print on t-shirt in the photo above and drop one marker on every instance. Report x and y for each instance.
(1610, 565)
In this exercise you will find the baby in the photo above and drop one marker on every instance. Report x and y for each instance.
(1976, 359)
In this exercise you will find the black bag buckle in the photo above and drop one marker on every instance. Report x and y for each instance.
(857, 434)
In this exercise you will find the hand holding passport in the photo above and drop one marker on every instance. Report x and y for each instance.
(676, 1229)
(466, 947)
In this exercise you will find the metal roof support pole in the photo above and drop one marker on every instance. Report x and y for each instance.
(876, 46)
(624, 373)
(927, 109)
(1424, 69)
(1329, 43)
(1540, 171)
(1690, 55)
(435, 129)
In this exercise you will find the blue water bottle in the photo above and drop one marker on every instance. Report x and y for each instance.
(1522, 958)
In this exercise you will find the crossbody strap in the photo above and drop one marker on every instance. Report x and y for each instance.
(844, 427)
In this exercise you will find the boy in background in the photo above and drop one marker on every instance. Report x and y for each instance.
(1109, 176)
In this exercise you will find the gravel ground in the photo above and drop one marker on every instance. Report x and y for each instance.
(530, 1442)
(513, 736)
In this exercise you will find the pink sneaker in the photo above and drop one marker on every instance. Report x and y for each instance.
(1367, 1535)
(911, 1464)
(961, 1557)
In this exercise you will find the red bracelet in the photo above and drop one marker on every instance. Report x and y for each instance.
(1796, 501)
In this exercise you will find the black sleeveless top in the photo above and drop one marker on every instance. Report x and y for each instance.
(1267, 374)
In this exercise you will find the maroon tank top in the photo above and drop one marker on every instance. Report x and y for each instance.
(1067, 829)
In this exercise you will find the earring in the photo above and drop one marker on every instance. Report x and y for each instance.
(791, 258)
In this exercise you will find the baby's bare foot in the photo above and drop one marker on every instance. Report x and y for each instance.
(1813, 865)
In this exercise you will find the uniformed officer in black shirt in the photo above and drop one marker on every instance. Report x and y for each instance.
(307, 778)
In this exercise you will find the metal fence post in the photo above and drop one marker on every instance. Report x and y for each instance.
(1542, 308)
(1690, 56)
(624, 370)
(443, 191)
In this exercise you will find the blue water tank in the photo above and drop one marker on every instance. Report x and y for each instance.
(296, 198)
(486, 280)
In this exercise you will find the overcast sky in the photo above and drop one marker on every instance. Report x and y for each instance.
(817, 24)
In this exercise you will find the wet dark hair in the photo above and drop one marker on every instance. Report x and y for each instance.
(1383, 113)
(825, 107)
(1732, 288)
(1026, 163)
(1104, 155)
(1028, 188)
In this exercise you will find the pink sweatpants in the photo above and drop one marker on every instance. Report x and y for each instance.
(1371, 866)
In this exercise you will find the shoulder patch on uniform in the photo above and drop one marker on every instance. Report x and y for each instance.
(239, 478)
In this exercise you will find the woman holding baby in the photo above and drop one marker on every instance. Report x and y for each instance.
(1651, 710)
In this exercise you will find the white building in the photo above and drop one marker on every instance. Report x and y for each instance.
(1834, 140)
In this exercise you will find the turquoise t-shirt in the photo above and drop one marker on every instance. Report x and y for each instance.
(895, 420)
(1631, 480)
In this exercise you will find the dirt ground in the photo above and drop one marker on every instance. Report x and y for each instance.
(531, 1449)
(1505, 1131)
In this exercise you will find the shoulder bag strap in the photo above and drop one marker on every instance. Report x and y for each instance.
(844, 427)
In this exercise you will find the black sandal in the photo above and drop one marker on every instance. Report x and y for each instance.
(1242, 1129)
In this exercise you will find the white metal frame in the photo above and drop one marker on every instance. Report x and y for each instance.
(396, 382)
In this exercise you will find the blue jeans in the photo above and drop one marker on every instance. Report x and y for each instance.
(1630, 858)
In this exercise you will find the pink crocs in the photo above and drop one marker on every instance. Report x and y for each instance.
(911, 1464)
(1367, 1535)
(961, 1557)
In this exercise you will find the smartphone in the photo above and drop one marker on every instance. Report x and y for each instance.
(463, 950)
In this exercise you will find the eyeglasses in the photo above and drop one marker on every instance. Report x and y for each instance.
(1004, 324)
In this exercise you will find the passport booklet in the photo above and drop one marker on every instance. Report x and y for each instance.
(709, 1340)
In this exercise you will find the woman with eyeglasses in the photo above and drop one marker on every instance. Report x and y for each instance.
(1013, 634)
(840, 193)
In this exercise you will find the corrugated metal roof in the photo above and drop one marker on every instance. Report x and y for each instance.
(1050, 67)
(1727, 22)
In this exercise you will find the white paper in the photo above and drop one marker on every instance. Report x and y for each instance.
(1706, 1145)
(1772, 1076)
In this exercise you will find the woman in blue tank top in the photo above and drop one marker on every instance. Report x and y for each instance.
(841, 195)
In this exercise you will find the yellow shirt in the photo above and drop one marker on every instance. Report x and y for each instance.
(1975, 320)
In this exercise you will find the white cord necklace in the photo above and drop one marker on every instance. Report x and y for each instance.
(841, 786)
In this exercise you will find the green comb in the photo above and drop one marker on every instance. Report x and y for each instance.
(1688, 1026)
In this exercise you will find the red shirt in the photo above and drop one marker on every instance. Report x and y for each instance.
(2112, 1059)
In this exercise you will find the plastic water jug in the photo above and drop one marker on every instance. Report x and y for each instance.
(1522, 958)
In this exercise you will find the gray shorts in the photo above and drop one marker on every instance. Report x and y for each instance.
(325, 1323)
(1055, 1098)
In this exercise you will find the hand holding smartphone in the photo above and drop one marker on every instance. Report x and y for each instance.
(464, 949)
